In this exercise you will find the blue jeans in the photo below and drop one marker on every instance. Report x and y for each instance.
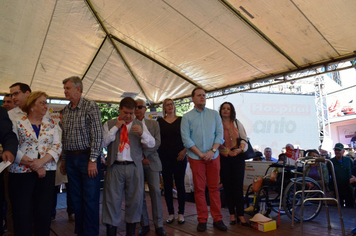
(85, 194)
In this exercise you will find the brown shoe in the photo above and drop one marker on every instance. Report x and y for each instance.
(71, 217)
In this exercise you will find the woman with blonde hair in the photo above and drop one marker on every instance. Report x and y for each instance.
(173, 157)
(32, 174)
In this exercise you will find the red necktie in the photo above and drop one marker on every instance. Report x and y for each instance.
(124, 137)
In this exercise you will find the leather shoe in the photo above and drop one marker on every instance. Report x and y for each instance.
(160, 231)
(111, 230)
(144, 230)
(71, 217)
(233, 222)
(220, 225)
(201, 227)
(130, 229)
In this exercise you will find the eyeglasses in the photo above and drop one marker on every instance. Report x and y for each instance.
(141, 106)
(15, 93)
(168, 104)
(43, 103)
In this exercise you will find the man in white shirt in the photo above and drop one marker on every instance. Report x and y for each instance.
(125, 137)
(18, 93)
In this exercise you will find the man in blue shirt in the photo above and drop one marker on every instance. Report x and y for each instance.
(202, 134)
(268, 155)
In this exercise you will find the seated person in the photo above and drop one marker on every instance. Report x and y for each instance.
(258, 156)
(314, 171)
(268, 155)
(282, 157)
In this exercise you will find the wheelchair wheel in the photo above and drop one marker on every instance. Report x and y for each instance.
(275, 207)
(247, 195)
(311, 208)
(273, 200)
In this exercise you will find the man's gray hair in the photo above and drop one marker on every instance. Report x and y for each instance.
(140, 100)
(77, 82)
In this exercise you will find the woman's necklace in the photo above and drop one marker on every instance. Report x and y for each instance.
(228, 127)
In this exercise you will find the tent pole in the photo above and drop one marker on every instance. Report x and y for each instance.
(155, 61)
(257, 31)
(126, 64)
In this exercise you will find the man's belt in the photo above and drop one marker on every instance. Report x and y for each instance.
(123, 162)
(79, 151)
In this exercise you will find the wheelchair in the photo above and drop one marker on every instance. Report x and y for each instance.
(267, 198)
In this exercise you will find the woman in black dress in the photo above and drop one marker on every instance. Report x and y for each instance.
(173, 157)
(232, 164)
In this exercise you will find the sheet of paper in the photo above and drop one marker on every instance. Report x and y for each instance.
(3, 165)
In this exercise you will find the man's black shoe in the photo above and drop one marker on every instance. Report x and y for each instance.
(144, 230)
(160, 231)
(220, 225)
(201, 227)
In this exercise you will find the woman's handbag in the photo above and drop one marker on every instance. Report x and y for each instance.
(249, 153)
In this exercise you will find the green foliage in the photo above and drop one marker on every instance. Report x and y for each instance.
(183, 108)
(108, 112)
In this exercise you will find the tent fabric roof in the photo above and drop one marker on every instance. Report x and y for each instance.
(164, 48)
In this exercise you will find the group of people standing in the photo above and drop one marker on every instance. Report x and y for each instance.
(138, 150)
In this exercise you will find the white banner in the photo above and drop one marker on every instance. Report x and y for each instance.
(273, 120)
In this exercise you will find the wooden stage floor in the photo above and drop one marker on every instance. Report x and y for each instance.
(318, 227)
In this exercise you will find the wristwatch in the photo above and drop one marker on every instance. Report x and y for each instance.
(213, 149)
(93, 159)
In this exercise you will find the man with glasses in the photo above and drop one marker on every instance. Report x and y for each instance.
(342, 166)
(18, 93)
(151, 166)
(8, 103)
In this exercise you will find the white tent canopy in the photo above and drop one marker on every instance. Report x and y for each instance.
(164, 48)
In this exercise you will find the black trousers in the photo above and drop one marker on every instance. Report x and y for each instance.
(31, 200)
(346, 195)
(2, 202)
(171, 168)
(232, 172)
